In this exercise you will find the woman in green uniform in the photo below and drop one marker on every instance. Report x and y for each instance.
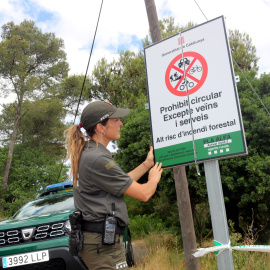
(99, 184)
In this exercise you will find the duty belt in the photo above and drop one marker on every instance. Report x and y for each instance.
(97, 227)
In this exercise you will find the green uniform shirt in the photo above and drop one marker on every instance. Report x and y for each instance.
(101, 182)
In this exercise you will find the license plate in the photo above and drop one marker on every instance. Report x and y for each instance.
(25, 258)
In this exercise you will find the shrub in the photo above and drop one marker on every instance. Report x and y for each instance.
(140, 226)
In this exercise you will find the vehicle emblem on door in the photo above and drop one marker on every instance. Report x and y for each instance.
(27, 233)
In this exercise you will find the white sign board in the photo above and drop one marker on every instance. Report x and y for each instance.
(211, 108)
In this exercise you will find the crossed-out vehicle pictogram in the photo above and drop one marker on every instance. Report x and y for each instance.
(194, 66)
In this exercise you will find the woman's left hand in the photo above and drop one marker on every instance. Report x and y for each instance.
(149, 162)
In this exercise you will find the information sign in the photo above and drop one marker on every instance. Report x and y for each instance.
(208, 116)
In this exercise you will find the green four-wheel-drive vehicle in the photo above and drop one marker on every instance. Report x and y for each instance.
(37, 236)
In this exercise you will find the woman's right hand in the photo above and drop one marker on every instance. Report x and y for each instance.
(144, 192)
(149, 161)
(155, 172)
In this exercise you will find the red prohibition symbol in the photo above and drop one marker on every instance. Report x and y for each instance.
(196, 73)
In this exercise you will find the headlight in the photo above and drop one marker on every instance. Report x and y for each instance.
(68, 226)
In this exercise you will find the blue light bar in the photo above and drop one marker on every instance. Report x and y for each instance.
(58, 186)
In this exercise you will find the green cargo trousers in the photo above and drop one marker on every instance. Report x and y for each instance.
(103, 257)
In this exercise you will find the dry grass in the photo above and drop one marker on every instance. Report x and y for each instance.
(162, 252)
(160, 259)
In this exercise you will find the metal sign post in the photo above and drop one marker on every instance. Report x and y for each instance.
(218, 213)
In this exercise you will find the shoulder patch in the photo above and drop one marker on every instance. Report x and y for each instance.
(110, 165)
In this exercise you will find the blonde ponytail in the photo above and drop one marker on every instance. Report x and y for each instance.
(74, 140)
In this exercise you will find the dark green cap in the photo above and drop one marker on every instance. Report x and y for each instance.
(97, 111)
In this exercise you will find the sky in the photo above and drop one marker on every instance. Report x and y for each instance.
(123, 24)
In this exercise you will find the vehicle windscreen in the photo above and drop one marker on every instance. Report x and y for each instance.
(46, 205)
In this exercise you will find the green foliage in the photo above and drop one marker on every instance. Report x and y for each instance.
(165, 203)
(168, 28)
(31, 171)
(31, 62)
(243, 52)
(69, 91)
(197, 185)
(201, 218)
(30, 59)
(245, 179)
(256, 119)
(245, 182)
(3, 160)
(38, 153)
(41, 124)
(235, 237)
(140, 226)
(119, 82)
(131, 150)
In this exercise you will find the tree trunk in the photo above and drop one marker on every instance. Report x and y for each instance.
(153, 20)
(186, 219)
(12, 142)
